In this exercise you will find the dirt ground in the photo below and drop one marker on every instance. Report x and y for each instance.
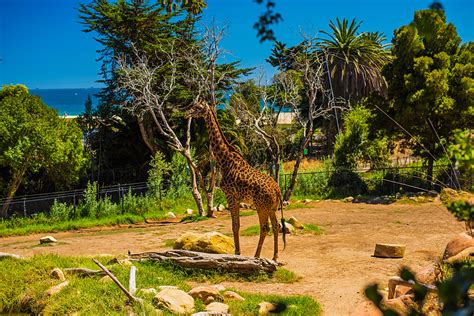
(335, 266)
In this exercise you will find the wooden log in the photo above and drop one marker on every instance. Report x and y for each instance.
(200, 260)
(114, 278)
(84, 272)
(389, 251)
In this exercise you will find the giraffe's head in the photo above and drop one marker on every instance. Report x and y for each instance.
(199, 109)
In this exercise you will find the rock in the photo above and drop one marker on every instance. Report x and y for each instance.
(47, 240)
(203, 292)
(218, 307)
(218, 287)
(467, 253)
(210, 314)
(148, 291)
(398, 195)
(10, 255)
(266, 308)
(399, 304)
(231, 295)
(189, 211)
(211, 242)
(366, 308)
(214, 209)
(170, 215)
(427, 275)
(458, 244)
(349, 199)
(296, 223)
(105, 279)
(57, 274)
(401, 290)
(176, 301)
(209, 300)
(389, 251)
(56, 289)
(289, 229)
(308, 200)
(220, 208)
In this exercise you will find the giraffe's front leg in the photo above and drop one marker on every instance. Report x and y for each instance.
(234, 213)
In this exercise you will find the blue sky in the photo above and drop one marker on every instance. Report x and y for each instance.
(42, 45)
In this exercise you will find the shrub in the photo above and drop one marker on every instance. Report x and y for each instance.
(179, 181)
(158, 169)
(344, 182)
(61, 211)
(89, 204)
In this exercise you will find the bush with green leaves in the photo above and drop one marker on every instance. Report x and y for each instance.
(463, 211)
(61, 211)
(159, 168)
(89, 204)
(179, 181)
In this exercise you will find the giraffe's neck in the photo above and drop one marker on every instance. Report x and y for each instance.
(224, 153)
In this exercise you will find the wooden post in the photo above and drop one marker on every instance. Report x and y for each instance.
(132, 287)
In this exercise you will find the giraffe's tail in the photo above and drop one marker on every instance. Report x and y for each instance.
(283, 227)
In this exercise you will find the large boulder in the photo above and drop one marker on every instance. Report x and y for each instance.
(211, 242)
(457, 245)
(389, 251)
(174, 300)
(231, 295)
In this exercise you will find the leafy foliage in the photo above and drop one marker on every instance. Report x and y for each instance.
(430, 83)
(36, 141)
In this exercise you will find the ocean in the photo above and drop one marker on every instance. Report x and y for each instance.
(67, 101)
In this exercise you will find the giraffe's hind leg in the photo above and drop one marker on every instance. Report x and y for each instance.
(263, 219)
(274, 221)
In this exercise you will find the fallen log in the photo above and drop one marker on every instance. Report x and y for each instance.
(10, 255)
(84, 272)
(201, 260)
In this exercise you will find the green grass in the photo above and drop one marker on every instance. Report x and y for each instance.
(254, 230)
(25, 226)
(31, 279)
(193, 218)
(169, 243)
(312, 229)
(247, 213)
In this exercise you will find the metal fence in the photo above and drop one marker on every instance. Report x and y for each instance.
(389, 179)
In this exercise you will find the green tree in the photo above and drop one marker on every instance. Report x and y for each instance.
(355, 59)
(35, 139)
(430, 83)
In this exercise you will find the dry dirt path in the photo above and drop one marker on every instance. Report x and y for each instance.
(334, 266)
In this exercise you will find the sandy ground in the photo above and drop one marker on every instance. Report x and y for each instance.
(335, 266)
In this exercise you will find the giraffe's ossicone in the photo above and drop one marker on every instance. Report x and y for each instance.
(242, 183)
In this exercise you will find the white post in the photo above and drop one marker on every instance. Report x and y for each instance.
(132, 288)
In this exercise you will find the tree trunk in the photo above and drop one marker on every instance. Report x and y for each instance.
(146, 137)
(210, 191)
(429, 174)
(194, 184)
(16, 180)
(200, 260)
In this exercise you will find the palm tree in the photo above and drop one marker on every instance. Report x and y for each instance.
(354, 59)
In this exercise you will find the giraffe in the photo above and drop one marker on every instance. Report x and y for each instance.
(242, 183)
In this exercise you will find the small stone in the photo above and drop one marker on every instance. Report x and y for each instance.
(349, 199)
(176, 301)
(56, 289)
(217, 307)
(203, 292)
(57, 274)
(389, 251)
(308, 200)
(220, 208)
(296, 223)
(209, 300)
(266, 308)
(427, 275)
(189, 211)
(149, 291)
(231, 295)
(105, 279)
(398, 195)
(170, 215)
(218, 287)
(47, 240)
